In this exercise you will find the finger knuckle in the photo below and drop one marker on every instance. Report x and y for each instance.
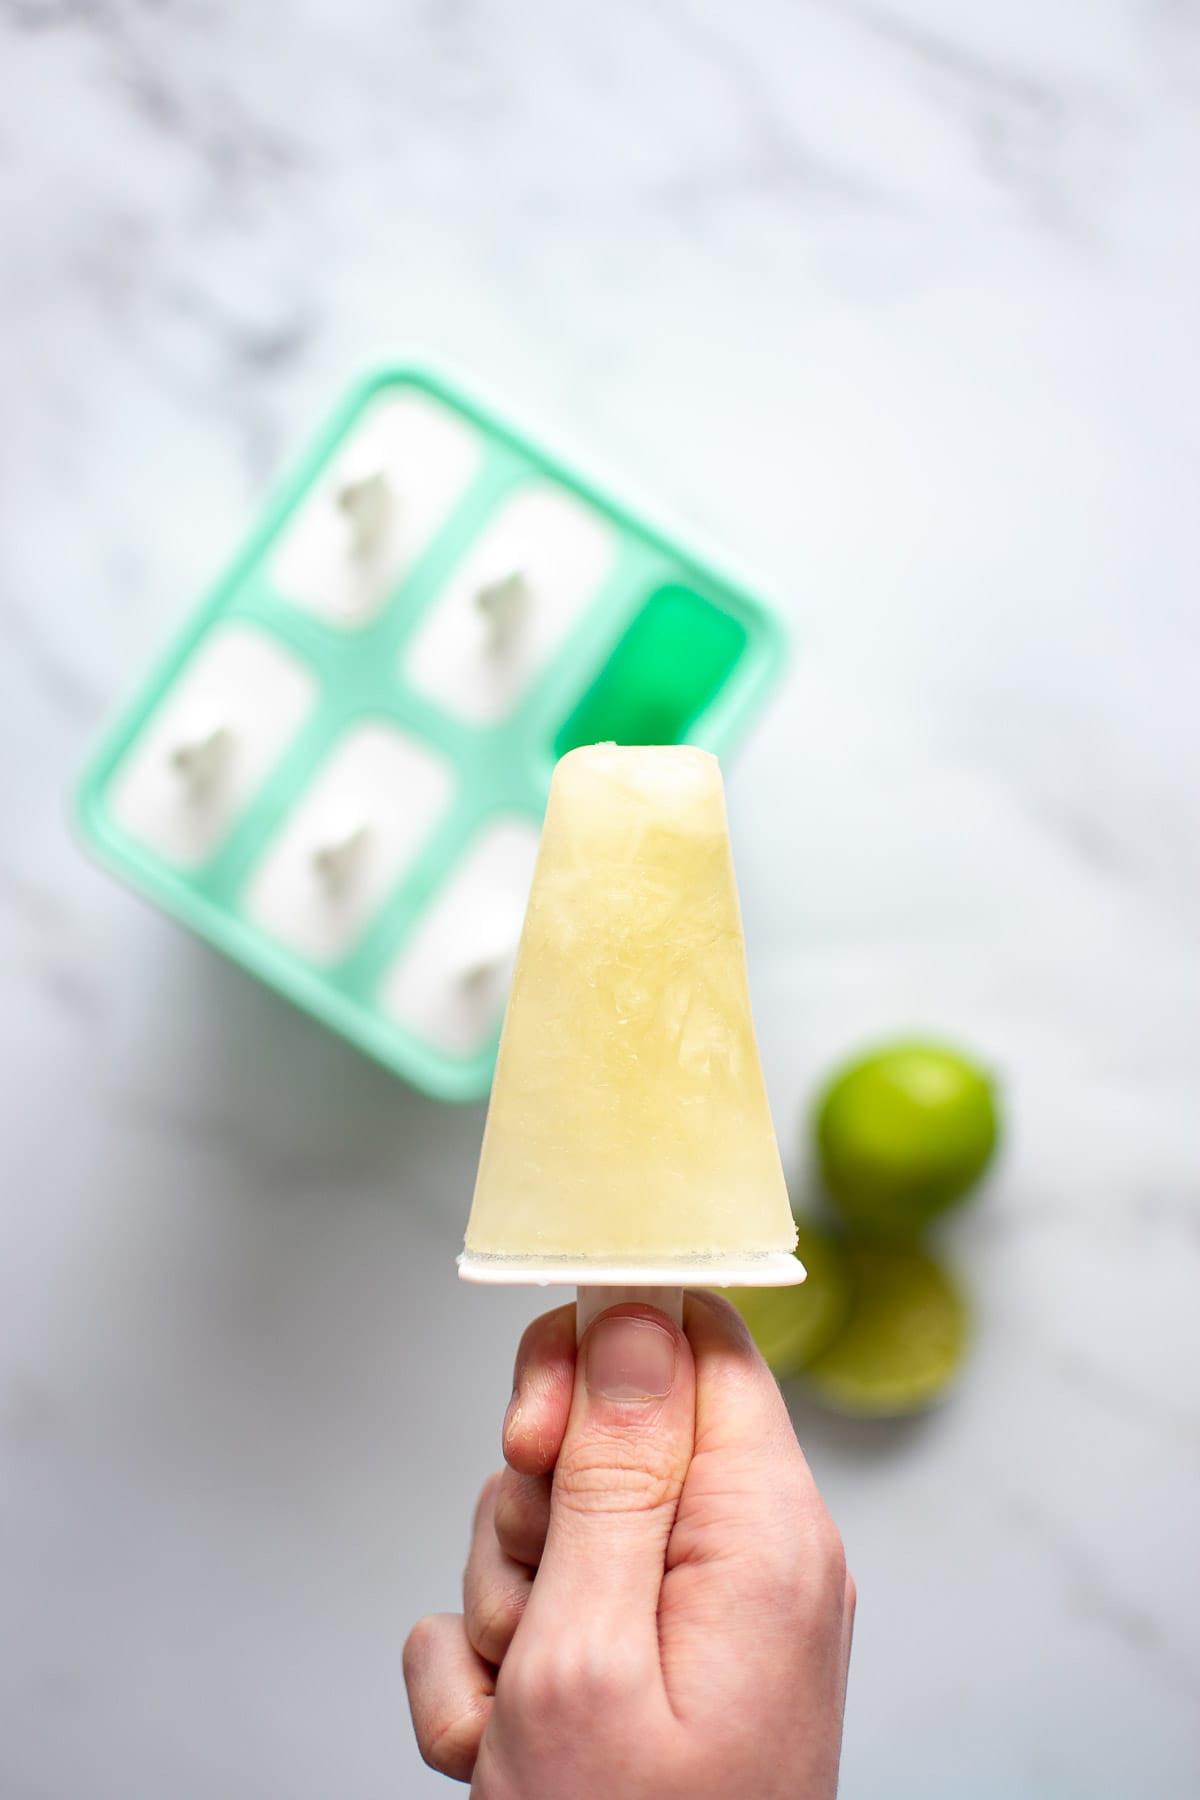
(493, 1620)
(521, 1520)
(821, 1577)
(831, 1553)
(802, 1559)
(487, 1496)
(417, 1646)
(816, 1562)
(605, 1673)
(604, 1475)
(582, 1676)
(532, 1684)
(450, 1745)
(509, 1516)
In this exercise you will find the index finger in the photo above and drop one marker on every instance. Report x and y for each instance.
(543, 1382)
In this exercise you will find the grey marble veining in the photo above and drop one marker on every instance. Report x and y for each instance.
(894, 301)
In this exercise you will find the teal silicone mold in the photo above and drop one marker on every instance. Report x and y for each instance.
(502, 769)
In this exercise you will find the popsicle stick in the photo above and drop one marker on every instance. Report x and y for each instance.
(203, 752)
(504, 604)
(590, 1301)
(337, 857)
(367, 502)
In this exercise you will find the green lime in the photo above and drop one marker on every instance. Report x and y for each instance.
(791, 1325)
(903, 1341)
(903, 1134)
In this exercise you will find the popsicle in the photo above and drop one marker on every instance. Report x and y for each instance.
(629, 1141)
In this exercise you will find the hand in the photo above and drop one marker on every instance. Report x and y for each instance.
(666, 1615)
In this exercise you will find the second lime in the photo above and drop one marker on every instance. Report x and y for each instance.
(791, 1325)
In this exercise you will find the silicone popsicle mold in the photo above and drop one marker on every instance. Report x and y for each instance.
(338, 771)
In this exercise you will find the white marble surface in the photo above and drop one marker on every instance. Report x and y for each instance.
(897, 299)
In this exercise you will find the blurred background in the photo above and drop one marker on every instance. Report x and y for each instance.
(897, 301)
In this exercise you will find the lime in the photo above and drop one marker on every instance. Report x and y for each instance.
(904, 1339)
(791, 1325)
(903, 1134)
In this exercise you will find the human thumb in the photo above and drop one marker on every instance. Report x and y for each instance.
(626, 1451)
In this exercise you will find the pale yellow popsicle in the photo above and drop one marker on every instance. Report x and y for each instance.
(629, 1121)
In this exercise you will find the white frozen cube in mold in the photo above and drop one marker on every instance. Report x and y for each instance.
(367, 521)
(509, 603)
(347, 841)
(216, 734)
(451, 979)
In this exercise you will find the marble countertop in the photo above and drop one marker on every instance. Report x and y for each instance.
(897, 300)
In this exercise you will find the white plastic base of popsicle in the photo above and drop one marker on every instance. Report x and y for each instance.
(775, 1268)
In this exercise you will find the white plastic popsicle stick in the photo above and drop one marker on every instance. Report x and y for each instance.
(339, 855)
(590, 1302)
(201, 753)
(368, 504)
(509, 603)
(214, 736)
(357, 534)
(504, 604)
(487, 966)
